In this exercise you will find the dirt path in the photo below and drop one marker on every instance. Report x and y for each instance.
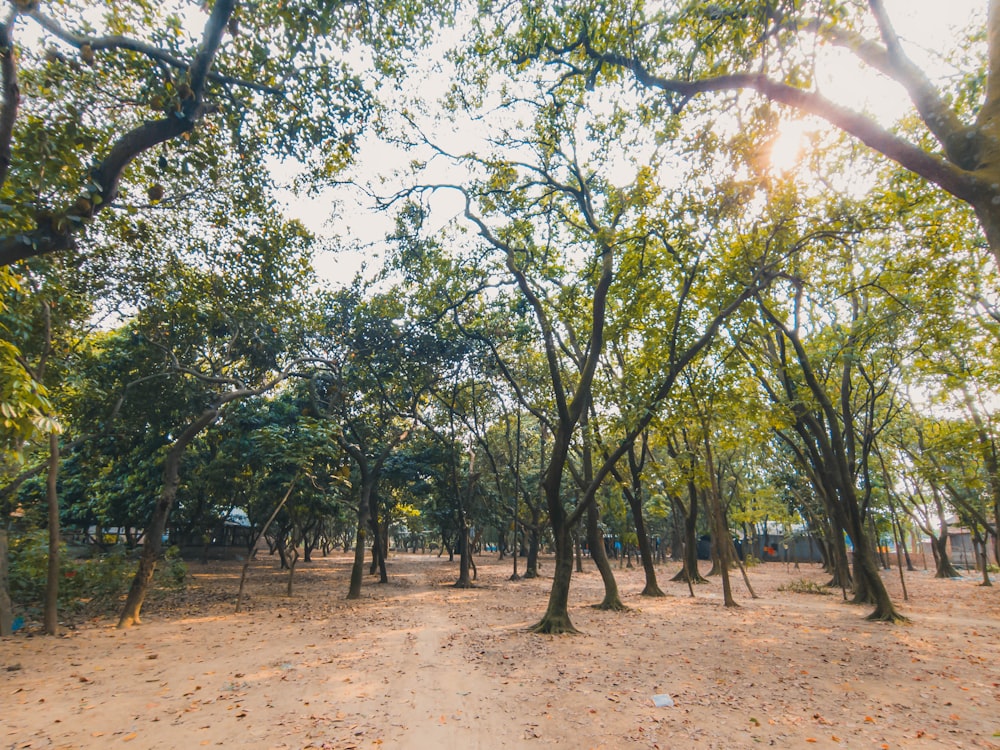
(419, 664)
(415, 683)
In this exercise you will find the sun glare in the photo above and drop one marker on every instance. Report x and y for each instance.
(788, 146)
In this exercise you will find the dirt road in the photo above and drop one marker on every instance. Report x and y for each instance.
(419, 664)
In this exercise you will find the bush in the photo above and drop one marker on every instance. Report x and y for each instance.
(804, 586)
(96, 584)
(173, 573)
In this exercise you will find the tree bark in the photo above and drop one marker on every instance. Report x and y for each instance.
(612, 600)
(690, 543)
(364, 516)
(556, 618)
(50, 617)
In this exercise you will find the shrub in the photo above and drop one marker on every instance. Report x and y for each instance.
(804, 586)
(96, 584)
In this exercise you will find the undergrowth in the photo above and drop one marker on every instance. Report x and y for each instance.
(805, 586)
(87, 587)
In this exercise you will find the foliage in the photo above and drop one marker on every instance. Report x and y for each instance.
(804, 586)
(92, 584)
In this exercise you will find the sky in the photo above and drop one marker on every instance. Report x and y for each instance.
(927, 27)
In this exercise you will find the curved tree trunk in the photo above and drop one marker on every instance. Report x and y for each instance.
(158, 521)
(364, 518)
(612, 600)
(652, 588)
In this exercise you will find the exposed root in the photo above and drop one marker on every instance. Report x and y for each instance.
(681, 577)
(551, 625)
(892, 617)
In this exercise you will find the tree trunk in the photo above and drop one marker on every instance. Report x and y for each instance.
(612, 600)
(294, 555)
(985, 559)
(945, 569)
(870, 589)
(464, 580)
(531, 560)
(652, 588)
(358, 568)
(578, 547)
(6, 609)
(556, 618)
(720, 534)
(690, 544)
(153, 534)
(50, 616)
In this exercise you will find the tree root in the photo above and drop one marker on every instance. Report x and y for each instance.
(615, 605)
(550, 625)
(892, 616)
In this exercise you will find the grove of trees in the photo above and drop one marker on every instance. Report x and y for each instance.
(612, 308)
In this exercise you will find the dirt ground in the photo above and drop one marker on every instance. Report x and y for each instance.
(419, 664)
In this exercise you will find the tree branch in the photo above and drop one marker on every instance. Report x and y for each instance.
(55, 233)
(116, 42)
(948, 176)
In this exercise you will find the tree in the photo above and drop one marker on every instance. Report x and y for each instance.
(268, 77)
(375, 367)
(836, 410)
(682, 56)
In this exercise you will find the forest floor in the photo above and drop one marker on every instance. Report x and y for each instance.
(417, 663)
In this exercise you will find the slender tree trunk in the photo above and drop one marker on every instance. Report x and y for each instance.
(531, 559)
(294, 558)
(743, 570)
(383, 552)
(153, 534)
(252, 548)
(612, 600)
(690, 544)
(50, 616)
(364, 516)
(720, 534)
(578, 548)
(6, 608)
(465, 554)
(464, 557)
(985, 561)
(652, 588)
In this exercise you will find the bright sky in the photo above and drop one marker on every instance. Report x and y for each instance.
(927, 27)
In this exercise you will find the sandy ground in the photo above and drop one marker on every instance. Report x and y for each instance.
(419, 664)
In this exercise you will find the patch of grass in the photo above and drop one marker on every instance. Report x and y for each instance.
(804, 586)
